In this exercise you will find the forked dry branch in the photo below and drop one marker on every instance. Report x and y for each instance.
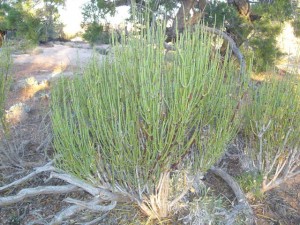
(104, 200)
(100, 196)
(282, 166)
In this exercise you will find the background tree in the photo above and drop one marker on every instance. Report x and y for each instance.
(253, 27)
(35, 20)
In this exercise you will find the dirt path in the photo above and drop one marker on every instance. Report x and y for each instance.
(47, 62)
(33, 72)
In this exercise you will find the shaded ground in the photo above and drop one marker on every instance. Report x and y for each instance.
(31, 140)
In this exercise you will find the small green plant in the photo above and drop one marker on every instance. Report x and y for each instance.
(14, 220)
(251, 183)
(207, 209)
(5, 80)
(272, 128)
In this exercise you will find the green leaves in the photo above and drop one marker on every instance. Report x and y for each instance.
(32, 21)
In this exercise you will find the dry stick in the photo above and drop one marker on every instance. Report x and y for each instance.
(65, 214)
(277, 182)
(31, 192)
(47, 167)
(92, 205)
(236, 51)
(104, 194)
(75, 181)
(183, 193)
(294, 160)
(97, 220)
(80, 205)
(241, 198)
(178, 198)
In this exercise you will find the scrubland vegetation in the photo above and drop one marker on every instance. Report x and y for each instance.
(137, 135)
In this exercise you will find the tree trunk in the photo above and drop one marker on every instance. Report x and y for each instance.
(2, 35)
(183, 17)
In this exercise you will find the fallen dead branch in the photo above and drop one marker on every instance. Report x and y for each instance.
(103, 200)
(236, 51)
(79, 206)
(97, 204)
(243, 205)
(31, 192)
(47, 167)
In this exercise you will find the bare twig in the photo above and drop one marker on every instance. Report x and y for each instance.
(66, 213)
(236, 51)
(97, 220)
(104, 194)
(47, 167)
(31, 192)
(93, 205)
(260, 135)
(182, 194)
(75, 181)
(79, 206)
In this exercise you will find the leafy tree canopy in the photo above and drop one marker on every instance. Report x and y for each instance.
(253, 25)
(35, 20)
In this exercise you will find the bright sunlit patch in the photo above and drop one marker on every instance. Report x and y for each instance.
(71, 16)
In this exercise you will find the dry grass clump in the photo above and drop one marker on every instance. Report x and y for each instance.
(31, 86)
(17, 113)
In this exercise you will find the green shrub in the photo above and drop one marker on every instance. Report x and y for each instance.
(263, 44)
(95, 34)
(272, 128)
(137, 117)
(5, 78)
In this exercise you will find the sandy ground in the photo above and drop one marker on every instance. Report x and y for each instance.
(48, 62)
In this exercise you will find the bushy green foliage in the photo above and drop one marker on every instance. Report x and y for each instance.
(272, 128)
(278, 10)
(30, 21)
(94, 30)
(136, 115)
(95, 34)
(220, 14)
(257, 39)
(5, 78)
(263, 43)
